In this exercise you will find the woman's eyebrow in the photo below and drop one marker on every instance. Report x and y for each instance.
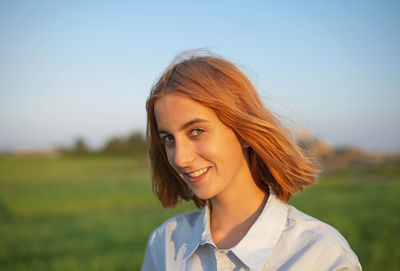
(186, 125)
(191, 122)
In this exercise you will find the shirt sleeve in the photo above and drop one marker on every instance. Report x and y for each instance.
(149, 263)
(353, 266)
(334, 256)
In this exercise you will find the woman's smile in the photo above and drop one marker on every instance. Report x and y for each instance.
(198, 175)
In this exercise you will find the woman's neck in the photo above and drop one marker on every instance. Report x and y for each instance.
(232, 216)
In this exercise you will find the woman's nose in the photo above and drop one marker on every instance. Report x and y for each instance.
(184, 154)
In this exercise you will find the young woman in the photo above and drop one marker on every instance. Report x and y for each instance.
(212, 141)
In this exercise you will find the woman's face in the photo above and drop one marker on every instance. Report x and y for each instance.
(205, 152)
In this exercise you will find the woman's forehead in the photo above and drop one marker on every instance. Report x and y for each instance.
(173, 111)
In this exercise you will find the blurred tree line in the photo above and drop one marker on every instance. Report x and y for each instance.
(133, 144)
(330, 158)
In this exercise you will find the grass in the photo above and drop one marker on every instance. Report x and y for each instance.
(96, 213)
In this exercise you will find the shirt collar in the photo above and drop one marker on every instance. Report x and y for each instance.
(201, 232)
(258, 243)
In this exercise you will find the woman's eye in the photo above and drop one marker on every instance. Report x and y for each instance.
(196, 132)
(167, 138)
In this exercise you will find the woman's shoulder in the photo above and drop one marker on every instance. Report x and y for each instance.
(180, 226)
(317, 241)
(169, 238)
(313, 228)
(184, 220)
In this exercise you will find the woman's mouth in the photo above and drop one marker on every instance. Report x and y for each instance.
(198, 175)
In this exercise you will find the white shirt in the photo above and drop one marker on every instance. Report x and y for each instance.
(282, 238)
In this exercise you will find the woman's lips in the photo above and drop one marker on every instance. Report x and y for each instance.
(198, 175)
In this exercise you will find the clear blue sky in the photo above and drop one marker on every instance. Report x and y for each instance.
(71, 69)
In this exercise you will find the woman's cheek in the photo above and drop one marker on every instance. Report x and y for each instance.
(170, 157)
(207, 150)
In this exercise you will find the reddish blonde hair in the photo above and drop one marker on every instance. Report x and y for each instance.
(276, 162)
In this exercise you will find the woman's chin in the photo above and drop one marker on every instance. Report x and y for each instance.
(203, 195)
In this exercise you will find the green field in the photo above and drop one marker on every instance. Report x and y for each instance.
(95, 213)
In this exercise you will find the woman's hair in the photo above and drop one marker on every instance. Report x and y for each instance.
(276, 162)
